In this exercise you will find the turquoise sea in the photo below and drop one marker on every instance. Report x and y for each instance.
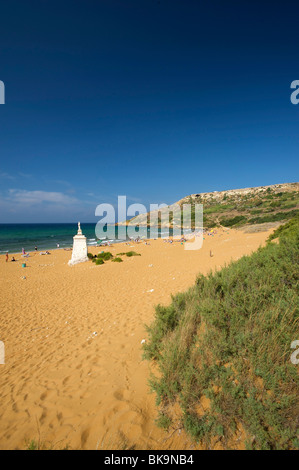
(14, 237)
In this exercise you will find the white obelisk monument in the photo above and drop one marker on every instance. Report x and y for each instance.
(79, 254)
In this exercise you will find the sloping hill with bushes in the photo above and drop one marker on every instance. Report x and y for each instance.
(233, 208)
(223, 351)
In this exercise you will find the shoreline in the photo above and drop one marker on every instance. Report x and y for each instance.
(28, 241)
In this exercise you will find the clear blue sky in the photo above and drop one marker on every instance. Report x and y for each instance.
(153, 99)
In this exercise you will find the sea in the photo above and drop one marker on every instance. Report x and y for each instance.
(15, 237)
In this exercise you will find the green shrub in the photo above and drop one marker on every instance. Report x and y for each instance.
(256, 211)
(274, 217)
(275, 204)
(163, 421)
(289, 229)
(238, 220)
(219, 208)
(132, 253)
(106, 256)
(289, 206)
(129, 254)
(117, 260)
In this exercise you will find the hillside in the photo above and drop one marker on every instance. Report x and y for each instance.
(238, 207)
(223, 351)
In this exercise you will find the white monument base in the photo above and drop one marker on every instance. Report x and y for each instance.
(79, 254)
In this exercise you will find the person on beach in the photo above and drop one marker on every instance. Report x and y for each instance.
(13, 259)
(35, 248)
(6, 256)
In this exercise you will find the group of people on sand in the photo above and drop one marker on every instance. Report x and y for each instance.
(7, 258)
(13, 259)
(209, 232)
(104, 243)
(25, 255)
(171, 240)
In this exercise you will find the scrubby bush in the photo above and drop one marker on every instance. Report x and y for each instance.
(132, 253)
(290, 228)
(163, 421)
(129, 254)
(238, 220)
(273, 217)
(106, 256)
(275, 204)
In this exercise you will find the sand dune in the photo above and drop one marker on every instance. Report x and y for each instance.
(74, 374)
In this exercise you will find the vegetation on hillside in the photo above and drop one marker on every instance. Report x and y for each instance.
(236, 209)
(233, 208)
(223, 349)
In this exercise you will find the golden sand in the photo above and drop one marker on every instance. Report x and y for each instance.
(74, 375)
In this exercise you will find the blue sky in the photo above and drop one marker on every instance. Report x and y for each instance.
(150, 99)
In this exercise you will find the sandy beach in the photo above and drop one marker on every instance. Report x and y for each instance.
(74, 374)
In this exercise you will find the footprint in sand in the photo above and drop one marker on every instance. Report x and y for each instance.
(43, 396)
(65, 381)
(84, 437)
(43, 417)
(122, 395)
